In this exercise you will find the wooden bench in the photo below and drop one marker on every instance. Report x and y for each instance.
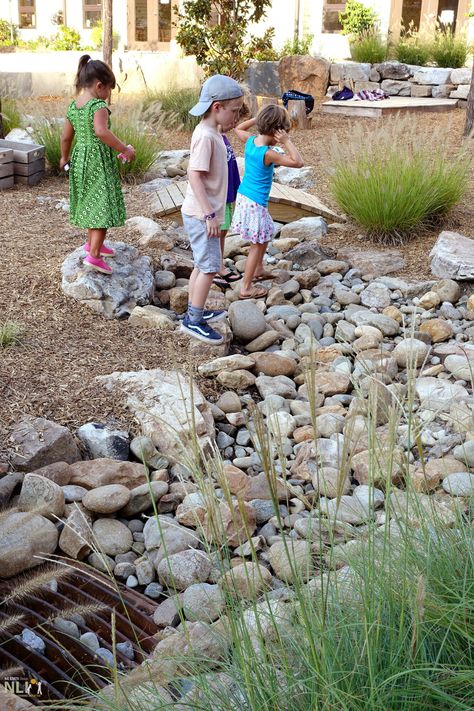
(386, 107)
(286, 204)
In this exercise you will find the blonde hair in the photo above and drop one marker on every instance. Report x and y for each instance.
(273, 118)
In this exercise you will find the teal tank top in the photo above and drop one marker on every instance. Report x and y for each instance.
(258, 177)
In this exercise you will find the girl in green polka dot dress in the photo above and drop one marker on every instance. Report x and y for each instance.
(96, 200)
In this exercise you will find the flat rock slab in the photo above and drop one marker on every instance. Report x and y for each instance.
(111, 295)
(396, 104)
(373, 261)
(168, 405)
(452, 257)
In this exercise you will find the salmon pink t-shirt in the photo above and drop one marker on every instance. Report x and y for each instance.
(209, 156)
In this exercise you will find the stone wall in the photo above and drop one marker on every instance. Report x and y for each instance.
(396, 79)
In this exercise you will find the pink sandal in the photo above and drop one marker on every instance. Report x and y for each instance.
(98, 265)
(104, 251)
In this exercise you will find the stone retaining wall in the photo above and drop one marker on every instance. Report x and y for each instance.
(396, 79)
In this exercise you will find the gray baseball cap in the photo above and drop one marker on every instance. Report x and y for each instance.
(216, 88)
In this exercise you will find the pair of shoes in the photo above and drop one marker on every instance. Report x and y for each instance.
(202, 331)
(98, 265)
(212, 316)
(104, 251)
(223, 281)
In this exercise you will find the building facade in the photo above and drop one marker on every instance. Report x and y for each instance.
(148, 25)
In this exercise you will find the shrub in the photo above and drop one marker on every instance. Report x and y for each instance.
(10, 115)
(97, 36)
(10, 333)
(65, 39)
(47, 132)
(174, 104)
(448, 50)
(412, 50)
(357, 18)
(222, 45)
(129, 126)
(297, 46)
(369, 47)
(8, 33)
(395, 178)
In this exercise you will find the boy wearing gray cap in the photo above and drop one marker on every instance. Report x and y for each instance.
(203, 208)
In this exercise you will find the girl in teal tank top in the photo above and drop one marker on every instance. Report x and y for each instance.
(251, 217)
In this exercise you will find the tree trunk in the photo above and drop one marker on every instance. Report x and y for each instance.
(2, 130)
(107, 41)
(469, 125)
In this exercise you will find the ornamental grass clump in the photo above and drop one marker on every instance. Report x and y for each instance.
(396, 178)
(369, 47)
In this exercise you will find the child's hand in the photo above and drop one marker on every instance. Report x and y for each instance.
(281, 136)
(213, 227)
(129, 153)
(62, 163)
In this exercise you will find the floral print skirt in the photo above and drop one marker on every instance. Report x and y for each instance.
(252, 221)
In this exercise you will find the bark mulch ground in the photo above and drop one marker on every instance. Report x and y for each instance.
(51, 372)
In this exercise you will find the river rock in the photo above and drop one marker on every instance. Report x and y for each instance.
(23, 536)
(376, 262)
(465, 452)
(291, 560)
(273, 364)
(36, 442)
(246, 320)
(227, 363)
(151, 317)
(438, 329)
(410, 353)
(180, 570)
(110, 295)
(203, 601)
(142, 497)
(459, 484)
(247, 580)
(107, 499)
(101, 472)
(461, 366)
(41, 496)
(168, 407)
(112, 536)
(76, 537)
(452, 257)
(100, 441)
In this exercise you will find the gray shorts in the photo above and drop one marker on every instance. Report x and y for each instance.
(206, 250)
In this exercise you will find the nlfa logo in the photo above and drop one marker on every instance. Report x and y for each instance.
(24, 687)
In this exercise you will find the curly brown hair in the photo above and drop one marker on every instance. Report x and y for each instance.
(272, 118)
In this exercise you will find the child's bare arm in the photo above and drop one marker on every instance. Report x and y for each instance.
(242, 130)
(195, 180)
(102, 131)
(66, 142)
(292, 159)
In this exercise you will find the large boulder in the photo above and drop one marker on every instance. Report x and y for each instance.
(393, 70)
(373, 261)
(102, 472)
(432, 75)
(452, 257)
(304, 73)
(169, 407)
(36, 442)
(111, 295)
(263, 79)
(342, 71)
(23, 536)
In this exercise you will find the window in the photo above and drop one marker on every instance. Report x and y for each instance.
(92, 13)
(447, 13)
(141, 21)
(411, 15)
(27, 14)
(331, 12)
(164, 21)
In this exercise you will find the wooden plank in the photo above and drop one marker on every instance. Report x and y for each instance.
(396, 104)
(166, 201)
(182, 186)
(6, 169)
(30, 179)
(30, 168)
(6, 155)
(175, 195)
(8, 182)
(23, 152)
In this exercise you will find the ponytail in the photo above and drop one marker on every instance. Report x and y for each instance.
(90, 70)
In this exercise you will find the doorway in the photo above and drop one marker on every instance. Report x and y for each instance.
(150, 24)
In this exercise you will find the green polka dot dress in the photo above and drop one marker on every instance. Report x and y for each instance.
(95, 192)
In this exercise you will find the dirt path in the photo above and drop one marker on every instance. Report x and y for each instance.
(51, 373)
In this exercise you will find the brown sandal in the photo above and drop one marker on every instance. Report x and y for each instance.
(256, 293)
(264, 276)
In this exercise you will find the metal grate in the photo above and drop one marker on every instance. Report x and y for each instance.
(68, 666)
